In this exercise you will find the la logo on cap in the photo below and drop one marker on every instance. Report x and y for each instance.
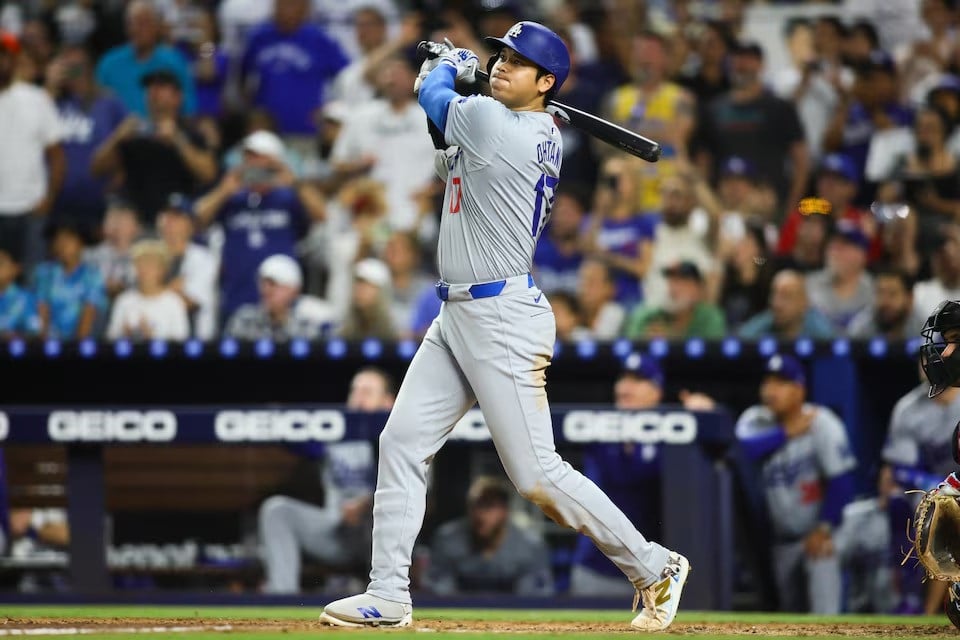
(776, 363)
(515, 30)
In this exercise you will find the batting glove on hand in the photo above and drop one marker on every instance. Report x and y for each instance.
(464, 61)
(435, 50)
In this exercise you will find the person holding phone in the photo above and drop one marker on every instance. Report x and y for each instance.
(263, 212)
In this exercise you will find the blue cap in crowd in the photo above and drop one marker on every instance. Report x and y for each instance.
(841, 165)
(947, 82)
(645, 367)
(786, 367)
(880, 60)
(851, 232)
(180, 203)
(737, 166)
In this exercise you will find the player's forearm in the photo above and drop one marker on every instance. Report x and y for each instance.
(436, 92)
(840, 492)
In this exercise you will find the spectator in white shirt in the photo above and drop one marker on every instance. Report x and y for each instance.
(602, 316)
(387, 139)
(151, 310)
(353, 84)
(282, 313)
(32, 164)
(677, 237)
(120, 229)
(945, 283)
(193, 268)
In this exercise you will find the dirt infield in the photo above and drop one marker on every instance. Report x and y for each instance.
(10, 626)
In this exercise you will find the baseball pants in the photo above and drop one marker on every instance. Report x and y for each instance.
(288, 526)
(494, 351)
(806, 584)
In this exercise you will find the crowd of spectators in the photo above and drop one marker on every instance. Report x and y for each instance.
(196, 168)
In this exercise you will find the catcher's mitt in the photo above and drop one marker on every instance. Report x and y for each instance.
(936, 535)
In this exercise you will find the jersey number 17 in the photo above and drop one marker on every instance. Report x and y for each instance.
(546, 188)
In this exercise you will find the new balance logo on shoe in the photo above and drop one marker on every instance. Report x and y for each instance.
(663, 592)
(369, 612)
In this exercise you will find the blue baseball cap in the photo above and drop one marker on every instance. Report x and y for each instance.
(842, 165)
(850, 231)
(645, 367)
(785, 367)
(947, 82)
(879, 60)
(737, 166)
(179, 203)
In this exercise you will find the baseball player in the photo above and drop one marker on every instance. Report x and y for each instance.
(494, 337)
(942, 368)
(807, 476)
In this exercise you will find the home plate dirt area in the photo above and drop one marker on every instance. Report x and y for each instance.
(277, 622)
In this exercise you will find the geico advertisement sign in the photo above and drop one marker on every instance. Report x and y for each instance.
(112, 426)
(279, 426)
(644, 427)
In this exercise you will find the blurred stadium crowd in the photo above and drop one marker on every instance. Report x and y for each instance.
(195, 168)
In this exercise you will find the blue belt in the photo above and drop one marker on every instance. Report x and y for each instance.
(477, 291)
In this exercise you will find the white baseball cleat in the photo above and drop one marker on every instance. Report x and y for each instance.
(365, 610)
(662, 599)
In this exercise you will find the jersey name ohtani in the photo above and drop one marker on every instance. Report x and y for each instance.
(549, 151)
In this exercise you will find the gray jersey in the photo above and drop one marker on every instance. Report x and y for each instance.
(795, 475)
(920, 432)
(349, 472)
(500, 187)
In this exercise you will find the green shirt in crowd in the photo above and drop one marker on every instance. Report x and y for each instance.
(707, 322)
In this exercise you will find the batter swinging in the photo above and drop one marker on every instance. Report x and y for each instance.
(494, 337)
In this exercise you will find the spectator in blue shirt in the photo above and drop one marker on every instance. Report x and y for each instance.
(70, 292)
(210, 63)
(557, 258)
(286, 64)
(18, 308)
(87, 117)
(122, 68)
(616, 233)
(263, 213)
(789, 314)
(874, 107)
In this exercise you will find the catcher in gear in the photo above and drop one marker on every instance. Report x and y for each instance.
(936, 522)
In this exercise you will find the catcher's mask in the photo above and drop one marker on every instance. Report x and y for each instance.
(942, 372)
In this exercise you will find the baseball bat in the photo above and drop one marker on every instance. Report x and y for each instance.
(612, 134)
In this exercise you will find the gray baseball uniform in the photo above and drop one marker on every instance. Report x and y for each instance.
(920, 432)
(491, 344)
(289, 526)
(793, 480)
